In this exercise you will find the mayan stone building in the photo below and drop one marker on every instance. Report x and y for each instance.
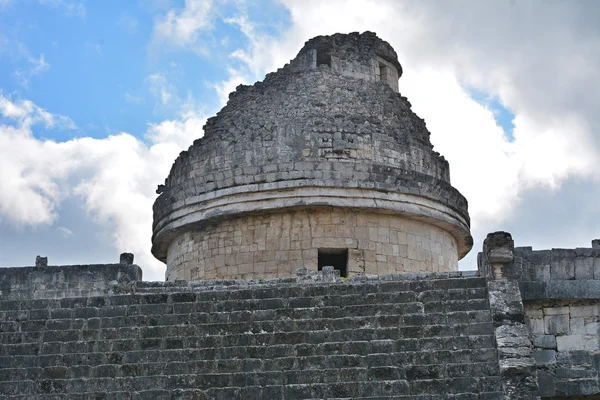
(322, 163)
(311, 238)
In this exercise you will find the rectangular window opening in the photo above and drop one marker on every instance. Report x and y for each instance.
(383, 72)
(323, 58)
(337, 258)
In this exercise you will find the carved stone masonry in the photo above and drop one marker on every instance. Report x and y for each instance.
(498, 249)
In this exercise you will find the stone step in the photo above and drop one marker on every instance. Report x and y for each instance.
(174, 336)
(223, 386)
(215, 301)
(149, 313)
(289, 370)
(399, 352)
(163, 292)
(287, 340)
(253, 322)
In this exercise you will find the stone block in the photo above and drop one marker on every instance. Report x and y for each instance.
(563, 264)
(573, 289)
(535, 325)
(556, 324)
(584, 267)
(592, 327)
(577, 325)
(584, 311)
(556, 310)
(570, 342)
(546, 384)
(533, 311)
(544, 357)
(545, 341)
(580, 387)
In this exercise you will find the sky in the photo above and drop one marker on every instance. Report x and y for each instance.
(97, 99)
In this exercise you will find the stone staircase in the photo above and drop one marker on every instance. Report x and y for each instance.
(400, 337)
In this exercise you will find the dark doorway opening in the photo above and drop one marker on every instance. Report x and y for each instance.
(323, 58)
(337, 258)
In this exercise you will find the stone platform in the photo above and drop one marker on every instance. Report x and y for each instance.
(315, 336)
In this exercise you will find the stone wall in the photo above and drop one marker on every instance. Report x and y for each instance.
(562, 303)
(566, 339)
(560, 289)
(405, 337)
(65, 280)
(276, 244)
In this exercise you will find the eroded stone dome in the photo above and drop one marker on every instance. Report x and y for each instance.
(322, 156)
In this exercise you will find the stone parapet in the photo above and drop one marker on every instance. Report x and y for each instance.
(63, 281)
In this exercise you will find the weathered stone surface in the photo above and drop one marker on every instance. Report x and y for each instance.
(314, 336)
(515, 356)
(276, 244)
(126, 258)
(544, 357)
(41, 261)
(311, 137)
(561, 294)
(498, 248)
(545, 341)
(65, 280)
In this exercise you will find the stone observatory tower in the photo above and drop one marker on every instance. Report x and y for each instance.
(322, 163)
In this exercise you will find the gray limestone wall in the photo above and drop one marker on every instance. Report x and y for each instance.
(407, 337)
(560, 289)
(47, 282)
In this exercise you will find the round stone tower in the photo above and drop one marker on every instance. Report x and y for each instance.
(322, 163)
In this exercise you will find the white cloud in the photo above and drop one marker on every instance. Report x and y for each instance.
(36, 67)
(131, 98)
(26, 113)
(115, 177)
(160, 87)
(64, 232)
(167, 96)
(180, 28)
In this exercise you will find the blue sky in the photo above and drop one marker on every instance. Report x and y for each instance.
(97, 98)
(97, 65)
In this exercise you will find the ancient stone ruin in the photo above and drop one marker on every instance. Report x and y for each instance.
(311, 238)
(321, 163)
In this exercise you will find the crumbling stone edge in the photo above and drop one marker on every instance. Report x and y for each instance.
(515, 353)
